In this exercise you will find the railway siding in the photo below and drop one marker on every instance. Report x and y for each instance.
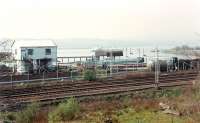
(12, 98)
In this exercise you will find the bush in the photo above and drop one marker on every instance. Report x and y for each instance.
(90, 75)
(28, 115)
(170, 93)
(126, 101)
(7, 117)
(65, 111)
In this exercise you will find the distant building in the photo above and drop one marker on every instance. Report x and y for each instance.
(108, 53)
(34, 55)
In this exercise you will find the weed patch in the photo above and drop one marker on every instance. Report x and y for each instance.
(28, 115)
(64, 112)
(90, 75)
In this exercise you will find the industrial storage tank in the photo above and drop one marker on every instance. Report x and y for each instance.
(175, 64)
(163, 65)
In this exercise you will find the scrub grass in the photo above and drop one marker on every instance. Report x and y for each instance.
(65, 111)
(139, 107)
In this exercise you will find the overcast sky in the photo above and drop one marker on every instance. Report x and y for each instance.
(133, 20)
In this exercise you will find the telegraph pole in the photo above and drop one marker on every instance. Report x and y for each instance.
(157, 68)
(139, 51)
(111, 55)
(177, 64)
(126, 60)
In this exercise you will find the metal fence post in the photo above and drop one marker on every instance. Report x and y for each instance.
(11, 79)
(71, 75)
(57, 71)
(43, 76)
(117, 68)
(28, 75)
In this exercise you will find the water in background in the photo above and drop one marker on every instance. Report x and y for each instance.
(131, 52)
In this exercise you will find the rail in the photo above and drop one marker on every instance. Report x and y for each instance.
(57, 91)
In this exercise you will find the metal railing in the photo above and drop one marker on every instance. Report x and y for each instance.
(75, 77)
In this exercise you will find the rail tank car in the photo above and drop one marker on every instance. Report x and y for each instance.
(174, 64)
(162, 63)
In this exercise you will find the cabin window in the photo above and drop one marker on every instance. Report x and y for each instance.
(48, 51)
(30, 51)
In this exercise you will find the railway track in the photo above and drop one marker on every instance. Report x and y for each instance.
(60, 90)
(79, 86)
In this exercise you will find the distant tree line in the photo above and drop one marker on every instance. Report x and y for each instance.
(186, 47)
